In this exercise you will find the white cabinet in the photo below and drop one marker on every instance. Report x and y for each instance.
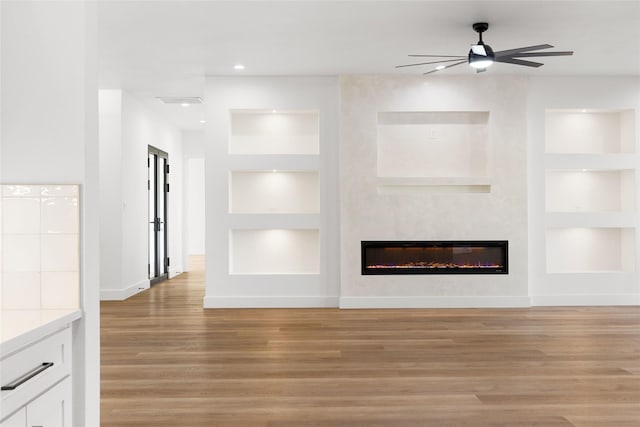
(36, 382)
(52, 408)
(18, 419)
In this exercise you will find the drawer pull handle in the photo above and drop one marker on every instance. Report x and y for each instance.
(26, 377)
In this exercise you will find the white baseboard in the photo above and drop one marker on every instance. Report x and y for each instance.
(269, 302)
(585, 300)
(434, 302)
(174, 271)
(123, 294)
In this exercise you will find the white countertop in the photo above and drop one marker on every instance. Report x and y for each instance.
(22, 327)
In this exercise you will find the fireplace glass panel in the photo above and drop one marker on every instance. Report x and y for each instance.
(435, 257)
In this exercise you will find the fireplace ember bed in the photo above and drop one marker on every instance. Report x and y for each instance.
(435, 257)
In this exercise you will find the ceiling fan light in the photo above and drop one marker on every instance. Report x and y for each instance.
(481, 62)
(484, 60)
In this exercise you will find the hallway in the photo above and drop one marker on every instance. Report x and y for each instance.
(168, 362)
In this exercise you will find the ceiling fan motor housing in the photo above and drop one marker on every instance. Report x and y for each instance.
(480, 27)
(481, 55)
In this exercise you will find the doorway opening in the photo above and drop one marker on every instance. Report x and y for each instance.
(158, 189)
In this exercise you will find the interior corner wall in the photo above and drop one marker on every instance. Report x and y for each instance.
(369, 214)
(49, 134)
(139, 128)
(577, 93)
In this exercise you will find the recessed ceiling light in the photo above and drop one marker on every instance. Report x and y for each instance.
(273, 111)
(238, 67)
(184, 104)
(180, 99)
(203, 121)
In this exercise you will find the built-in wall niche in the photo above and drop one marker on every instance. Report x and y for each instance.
(274, 191)
(274, 251)
(583, 190)
(590, 131)
(590, 250)
(433, 144)
(274, 132)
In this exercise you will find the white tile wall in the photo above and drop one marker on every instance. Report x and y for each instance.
(21, 252)
(59, 289)
(59, 215)
(1, 245)
(39, 246)
(21, 215)
(59, 252)
(21, 290)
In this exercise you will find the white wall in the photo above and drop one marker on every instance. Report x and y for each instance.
(194, 207)
(584, 287)
(110, 135)
(49, 135)
(287, 288)
(126, 151)
(434, 212)
(194, 194)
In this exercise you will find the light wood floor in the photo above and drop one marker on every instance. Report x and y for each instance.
(168, 362)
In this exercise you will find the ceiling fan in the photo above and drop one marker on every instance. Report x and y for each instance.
(481, 56)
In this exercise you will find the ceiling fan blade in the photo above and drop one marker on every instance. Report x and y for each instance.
(516, 61)
(439, 56)
(511, 52)
(426, 63)
(534, 54)
(448, 66)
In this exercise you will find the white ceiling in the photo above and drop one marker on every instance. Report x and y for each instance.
(167, 48)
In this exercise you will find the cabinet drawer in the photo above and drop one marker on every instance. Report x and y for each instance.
(53, 408)
(19, 419)
(19, 370)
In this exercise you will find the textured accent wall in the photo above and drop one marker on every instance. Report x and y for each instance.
(426, 206)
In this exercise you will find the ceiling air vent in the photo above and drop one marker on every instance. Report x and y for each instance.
(189, 100)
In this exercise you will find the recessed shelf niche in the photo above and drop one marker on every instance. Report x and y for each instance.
(433, 144)
(590, 250)
(276, 191)
(274, 251)
(583, 190)
(590, 180)
(259, 132)
(589, 131)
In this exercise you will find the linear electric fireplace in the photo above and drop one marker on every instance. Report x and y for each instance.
(435, 257)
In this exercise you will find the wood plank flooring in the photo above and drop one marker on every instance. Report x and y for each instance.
(168, 362)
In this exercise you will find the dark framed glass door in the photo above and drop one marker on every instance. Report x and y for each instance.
(158, 185)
